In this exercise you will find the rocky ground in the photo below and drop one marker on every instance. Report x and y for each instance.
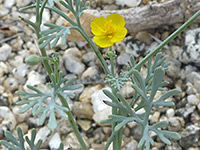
(17, 41)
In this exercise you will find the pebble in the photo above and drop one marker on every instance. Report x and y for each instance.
(5, 51)
(3, 11)
(24, 127)
(175, 66)
(64, 126)
(11, 84)
(190, 136)
(71, 142)
(129, 3)
(127, 91)
(43, 133)
(89, 58)
(91, 75)
(20, 72)
(9, 121)
(88, 91)
(82, 110)
(72, 61)
(170, 113)
(190, 88)
(155, 117)
(97, 100)
(132, 145)
(55, 141)
(193, 100)
(191, 50)
(176, 123)
(144, 37)
(22, 3)
(123, 59)
(9, 3)
(84, 124)
(34, 79)
(21, 117)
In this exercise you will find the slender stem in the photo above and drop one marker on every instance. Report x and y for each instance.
(96, 50)
(37, 30)
(165, 42)
(73, 124)
(116, 137)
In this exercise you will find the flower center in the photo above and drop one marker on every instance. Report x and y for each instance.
(109, 29)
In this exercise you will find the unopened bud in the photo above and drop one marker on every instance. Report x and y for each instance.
(33, 60)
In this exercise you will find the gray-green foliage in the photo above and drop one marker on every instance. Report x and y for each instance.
(37, 99)
(145, 91)
(13, 143)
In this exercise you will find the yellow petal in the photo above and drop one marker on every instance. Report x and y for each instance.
(97, 25)
(103, 41)
(119, 35)
(116, 19)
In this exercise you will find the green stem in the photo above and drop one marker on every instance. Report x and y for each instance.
(165, 42)
(96, 50)
(73, 124)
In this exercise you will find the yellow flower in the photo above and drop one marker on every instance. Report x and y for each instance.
(108, 30)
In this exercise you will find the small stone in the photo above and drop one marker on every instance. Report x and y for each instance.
(123, 59)
(9, 122)
(97, 100)
(193, 99)
(91, 74)
(83, 110)
(173, 146)
(20, 72)
(144, 37)
(102, 115)
(129, 3)
(71, 142)
(170, 113)
(176, 123)
(155, 117)
(195, 118)
(85, 124)
(3, 11)
(89, 58)
(22, 3)
(175, 51)
(72, 61)
(186, 111)
(9, 3)
(64, 126)
(190, 136)
(175, 66)
(24, 127)
(21, 117)
(88, 91)
(134, 47)
(11, 84)
(190, 88)
(5, 51)
(43, 133)
(132, 145)
(127, 91)
(34, 79)
(55, 141)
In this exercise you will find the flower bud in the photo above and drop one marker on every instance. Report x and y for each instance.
(33, 60)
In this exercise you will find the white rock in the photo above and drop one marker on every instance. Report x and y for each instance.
(170, 112)
(5, 51)
(101, 110)
(55, 141)
(34, 79)
(22, 3)
(73, 62)
(127, 91)
(20, 72)
(9, 120)
(97, 100)
(193, 99)
(42, 134)
(123, 59)
(9, 3)
(21, 117)
(3, 11)
(130, 3)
